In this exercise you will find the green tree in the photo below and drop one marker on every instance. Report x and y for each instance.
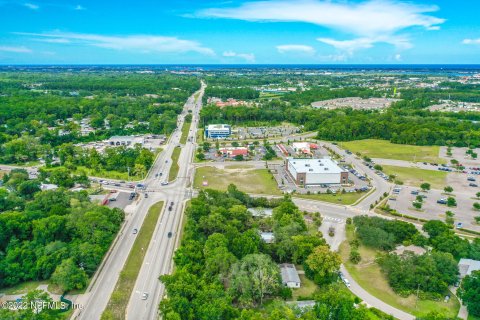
(470, 293)
(322, 265)
(451, 202)
(448, 189)
(425, 186)
(476, 206)
(254, 277)
(69, 276)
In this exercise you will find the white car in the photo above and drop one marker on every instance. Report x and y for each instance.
(164, 183)
(347, 283)
(144, 296)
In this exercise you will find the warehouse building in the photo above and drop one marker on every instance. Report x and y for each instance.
(218, 131)
(126, 141)
(315, 171)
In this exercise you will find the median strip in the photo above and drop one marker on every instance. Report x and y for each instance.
(118, 302)
(174, 168)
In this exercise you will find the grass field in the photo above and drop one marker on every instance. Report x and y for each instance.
(173, 173)
(108, 174)
(23, 287)
(344, 199)
(258, 181)
(185, 129)
(123, 289)
(387, 150)
(369, 276)
(415, 177)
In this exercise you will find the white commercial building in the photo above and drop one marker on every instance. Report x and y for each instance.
(316, 171)
(218, 131)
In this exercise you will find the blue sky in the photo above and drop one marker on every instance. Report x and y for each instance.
(263, 32)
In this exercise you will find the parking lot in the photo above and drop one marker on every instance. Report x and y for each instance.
(286, 184)
(264, 132)
(431, 210)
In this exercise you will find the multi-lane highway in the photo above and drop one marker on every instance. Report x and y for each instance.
(159, 253)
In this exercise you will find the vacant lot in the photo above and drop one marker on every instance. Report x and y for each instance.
(369, 276)
(124, 287)
(250, 180)
(387, 150)
(415, 177)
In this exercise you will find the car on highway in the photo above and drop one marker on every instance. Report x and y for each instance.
(145, 296)
(156, 175)
(164, 183)
(347, 283)
(169, 234)
(171, 203)
(135, 231)
(146, 195)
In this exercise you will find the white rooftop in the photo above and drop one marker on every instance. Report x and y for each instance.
(268, 237)
(325, 165)
(467, 266)
(289, 273)
(218, 126)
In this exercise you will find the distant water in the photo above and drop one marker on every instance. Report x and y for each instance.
(419, 69)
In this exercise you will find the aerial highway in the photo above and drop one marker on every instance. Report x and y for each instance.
(159, 254)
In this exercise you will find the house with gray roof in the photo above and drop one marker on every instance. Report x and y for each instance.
(290, 276)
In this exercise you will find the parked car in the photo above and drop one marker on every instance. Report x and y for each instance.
(473, 185)
(471, 179)
(414, 192)
(459, 225)
(442, 201)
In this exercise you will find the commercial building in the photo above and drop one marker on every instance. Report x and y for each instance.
(315, 171)
(290, 276)
(233, 152)
(218, 131)
(125, 141)
(304, 147)
(467, 266)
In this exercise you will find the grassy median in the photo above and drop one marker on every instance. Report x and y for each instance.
(185, 130)
(415, 176)
(386, 150)
(174, 168)
(128, 276)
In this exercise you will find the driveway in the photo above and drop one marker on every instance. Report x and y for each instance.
(372, 301)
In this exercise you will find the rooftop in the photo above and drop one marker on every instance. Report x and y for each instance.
(415, 249)
(218, 127)
(289, 273)
(325, 165)
(467, 266)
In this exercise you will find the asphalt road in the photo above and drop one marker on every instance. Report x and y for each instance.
(158, 259)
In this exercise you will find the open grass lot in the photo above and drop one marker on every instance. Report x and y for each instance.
(173, 173)
(23, 287)
(415, 177)
(369, 276)
(123, 289)
(344, 199)
(258, 181)
(387, 150)
(107, 174)
(185, 129)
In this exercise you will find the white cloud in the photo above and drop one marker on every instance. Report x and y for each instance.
(471, 41)
(54, 40)
(20, 49)
(298, 48)
(141, 43)
(370, 21)
(249, 57)
(79, 7)
(350, 46)
(398, 57)
(31, 6)
(368, 18)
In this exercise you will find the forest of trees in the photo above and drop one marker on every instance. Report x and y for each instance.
(35, 106)
(223, 260)
(57, 234)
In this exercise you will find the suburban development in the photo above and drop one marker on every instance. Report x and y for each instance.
(216, 191)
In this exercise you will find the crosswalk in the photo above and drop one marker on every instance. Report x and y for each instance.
(338, 220)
